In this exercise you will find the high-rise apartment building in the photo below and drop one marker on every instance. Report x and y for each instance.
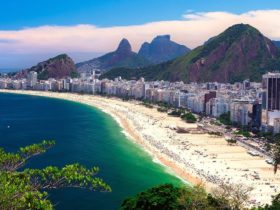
(270, 98)
(32, 79)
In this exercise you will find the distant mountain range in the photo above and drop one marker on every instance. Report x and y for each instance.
(240, 52)
(122, 57)
(161, 49)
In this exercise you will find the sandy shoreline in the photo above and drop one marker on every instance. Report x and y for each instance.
(197, 158)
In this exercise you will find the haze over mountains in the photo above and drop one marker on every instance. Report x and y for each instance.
(122, 57)
(240, 52)
(161, 49)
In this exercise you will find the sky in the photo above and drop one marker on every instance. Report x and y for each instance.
(31, 31)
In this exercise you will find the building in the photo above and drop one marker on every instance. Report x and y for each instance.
(270, 100)
(241, 112)
(32, 79)
(208, 96)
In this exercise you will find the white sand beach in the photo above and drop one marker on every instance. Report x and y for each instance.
(196, 158)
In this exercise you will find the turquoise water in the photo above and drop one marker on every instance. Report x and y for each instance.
(85, 135)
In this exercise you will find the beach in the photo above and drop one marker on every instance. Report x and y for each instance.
(194, 157)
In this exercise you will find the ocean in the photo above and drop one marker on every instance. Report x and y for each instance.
(83, 135)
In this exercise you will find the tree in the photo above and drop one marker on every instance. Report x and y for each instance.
(274, 206)
(195, 198)
(25, 189)
(276, 155)
(189, 117)
(225, 118)
(275, 203)
(231, 141)
(236, 196)
(162, 197)
(168, 197)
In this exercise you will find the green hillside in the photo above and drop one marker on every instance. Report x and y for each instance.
(239, 53)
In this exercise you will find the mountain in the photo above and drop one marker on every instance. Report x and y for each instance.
(239, 53)
(122, 57)
(56, 67)
(162, 49)
(277, 43)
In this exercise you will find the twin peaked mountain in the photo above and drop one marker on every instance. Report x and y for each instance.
(161, 49)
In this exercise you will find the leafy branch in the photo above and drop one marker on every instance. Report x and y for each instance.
(24, 189)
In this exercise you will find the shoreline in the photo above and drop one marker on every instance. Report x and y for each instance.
(189, 156)
(130, 133)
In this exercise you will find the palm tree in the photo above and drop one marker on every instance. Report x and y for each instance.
(276, 156)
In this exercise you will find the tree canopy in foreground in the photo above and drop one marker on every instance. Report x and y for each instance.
(169, 197)
(25, 189)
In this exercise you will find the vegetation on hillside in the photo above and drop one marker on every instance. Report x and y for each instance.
(150, 73)
(239, 53)
(26, 189)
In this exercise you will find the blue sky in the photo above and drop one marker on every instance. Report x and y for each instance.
(16, 14)
(35, 30)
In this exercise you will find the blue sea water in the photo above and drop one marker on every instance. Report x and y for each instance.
(83, 135)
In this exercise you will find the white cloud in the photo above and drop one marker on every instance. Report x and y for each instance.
(192, 30)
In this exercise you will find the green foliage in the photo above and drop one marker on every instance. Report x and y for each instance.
(195, 198)
(215, 133)
(168, 197)
(225, 118)
(189, 117)
(274, 206)
(176, 113)
(147, 104)
(157, 198)
(74, 74)
(24, 189)
(74, 176)
(17, 192)
(13, 161)
(275, 203)
(162, 109)
(149, 73)
(231, 141)
(244, 133)
(43, 75)
(234, 48)
(58, 57)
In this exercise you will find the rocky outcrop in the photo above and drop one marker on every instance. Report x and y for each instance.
(122, 57)
(56, 67)
(162, 49)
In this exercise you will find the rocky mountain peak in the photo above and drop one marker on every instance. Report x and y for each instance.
(124, 47)
(162, 38)
(162, 49)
